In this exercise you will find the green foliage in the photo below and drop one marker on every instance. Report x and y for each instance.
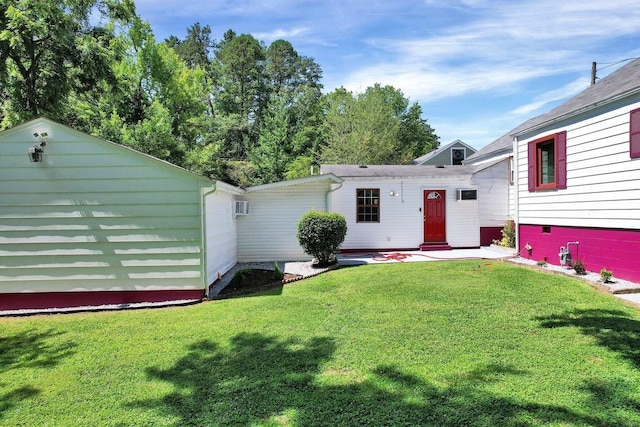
(606, 275)
(51, 49)
(239, 276)
(508, 235)
(272, 154)
(277, 271)
(374, 127)
(579, 268)
(541, 263)
(320, 235)
(300, 167)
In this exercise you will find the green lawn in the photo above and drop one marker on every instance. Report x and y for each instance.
(444, 344)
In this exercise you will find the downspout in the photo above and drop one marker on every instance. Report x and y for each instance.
(203, 232)
(516, 195)
(328, 202)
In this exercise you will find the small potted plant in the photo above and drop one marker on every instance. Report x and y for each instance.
(606, 275)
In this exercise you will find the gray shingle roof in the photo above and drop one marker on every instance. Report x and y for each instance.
(622, 82)
(397, 171)
(434, 153)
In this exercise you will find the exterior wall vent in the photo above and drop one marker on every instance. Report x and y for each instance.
(466, 194)
(241, 207)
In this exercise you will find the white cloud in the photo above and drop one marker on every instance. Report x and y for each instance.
(510, 43)
(281, 33)
(546, 98)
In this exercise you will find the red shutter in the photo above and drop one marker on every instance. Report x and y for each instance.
(531, 165)
(561, 164)
(634, 133)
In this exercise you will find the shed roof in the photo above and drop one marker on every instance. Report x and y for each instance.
(289, 183)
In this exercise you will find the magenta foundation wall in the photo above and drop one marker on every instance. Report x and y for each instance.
(613, 249)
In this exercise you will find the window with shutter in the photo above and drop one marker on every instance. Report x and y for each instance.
(547, 162)
(634, 134)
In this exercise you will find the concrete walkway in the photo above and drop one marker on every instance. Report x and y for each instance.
(622, 289)
(420, 256)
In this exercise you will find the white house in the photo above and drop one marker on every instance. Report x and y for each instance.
(453, 153)
(84, 221)
(267, 230)
(578, 180)
(391, 207)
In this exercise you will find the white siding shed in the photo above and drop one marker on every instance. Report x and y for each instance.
(95, 222)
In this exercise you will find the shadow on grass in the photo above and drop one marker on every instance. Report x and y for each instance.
(29, 349)
(613, 329)
(33, 349)
(261, 380)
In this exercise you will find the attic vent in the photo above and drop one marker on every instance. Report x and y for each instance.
(466, 194)
(440, 166)
(241, 207)
(363, 166)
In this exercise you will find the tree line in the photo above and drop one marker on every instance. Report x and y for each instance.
(234, 109)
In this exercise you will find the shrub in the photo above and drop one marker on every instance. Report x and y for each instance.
(320, 234)
(239, 277)
(277, 271)
(578, 266)
(508, 235)
(606, 275)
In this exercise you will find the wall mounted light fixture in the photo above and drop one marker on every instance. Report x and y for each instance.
(35, 152)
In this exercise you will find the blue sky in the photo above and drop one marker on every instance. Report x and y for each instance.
(477, 68)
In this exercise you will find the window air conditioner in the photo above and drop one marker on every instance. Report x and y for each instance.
(466, 194)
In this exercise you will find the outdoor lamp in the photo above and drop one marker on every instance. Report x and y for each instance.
(35, 152)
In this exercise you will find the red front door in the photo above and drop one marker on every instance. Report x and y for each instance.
(434, 216)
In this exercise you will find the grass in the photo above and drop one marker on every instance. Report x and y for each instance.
(443, 344)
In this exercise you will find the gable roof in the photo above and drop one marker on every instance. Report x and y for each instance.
(425, 158)
(47, 124)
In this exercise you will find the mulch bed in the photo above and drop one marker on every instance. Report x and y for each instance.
(255, 280)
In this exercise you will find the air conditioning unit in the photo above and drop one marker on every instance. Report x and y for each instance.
(241, 207)
(466, 194)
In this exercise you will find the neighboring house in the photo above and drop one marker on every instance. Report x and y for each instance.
(453, 153)
(267, 228)
(94, 222)
(410, 207)
(578, 181)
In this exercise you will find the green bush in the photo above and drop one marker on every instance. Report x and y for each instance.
(606, 275)
(320, 234)
(508, 235)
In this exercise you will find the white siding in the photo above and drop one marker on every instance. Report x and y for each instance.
(401, 218)
(269, 232)
(493, 194)
(221, 240)
(94, 217)
(603, 183)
